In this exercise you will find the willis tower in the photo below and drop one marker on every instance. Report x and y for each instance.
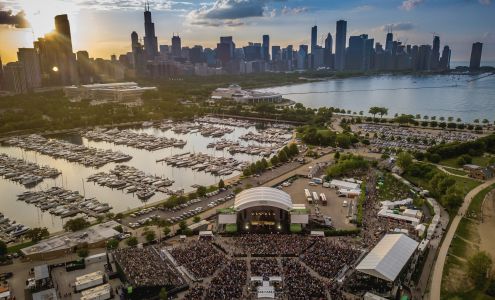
(150, 40)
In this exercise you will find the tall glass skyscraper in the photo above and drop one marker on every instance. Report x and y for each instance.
(150, 40)
(340, 42)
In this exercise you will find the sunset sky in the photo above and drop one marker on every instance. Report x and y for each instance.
(103, 27)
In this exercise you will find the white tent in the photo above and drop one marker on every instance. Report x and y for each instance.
(389, 257)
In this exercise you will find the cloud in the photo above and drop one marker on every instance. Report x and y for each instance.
(230, 12)
(402, 26)
(411, 4)
(7, 17)
(485, 2)
(157, 5)
(293, 10)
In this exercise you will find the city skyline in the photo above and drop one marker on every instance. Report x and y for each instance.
(249, 22)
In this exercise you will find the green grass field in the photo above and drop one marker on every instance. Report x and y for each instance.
(477, 160)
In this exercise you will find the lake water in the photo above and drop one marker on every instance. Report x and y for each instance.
(442, 95)
(74, 175)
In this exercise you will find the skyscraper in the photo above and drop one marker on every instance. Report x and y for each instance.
(57, 62)
(1, 74)
(84, 67)
(15, 79)
(389, 42)
(276, 54)
(314, 34)
(445, 59)
(329, 43)
(340, 42)
(328, 51)
(150, 40)
(176, 46)
(266, 47)
(138, 59)
(476, 56)
(225, 49)
(435, 53)
(354, 56)
(30, 62)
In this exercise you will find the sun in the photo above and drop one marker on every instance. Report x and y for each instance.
(41, 13)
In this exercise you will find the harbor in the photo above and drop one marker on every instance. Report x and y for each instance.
(10, 230)
(219, 166)
(131, 180)
(90, 157)
(26, 173)
(133, 139)
(75, 174)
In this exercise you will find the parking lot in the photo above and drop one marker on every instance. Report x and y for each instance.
(334, 209)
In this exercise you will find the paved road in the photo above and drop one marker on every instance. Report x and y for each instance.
(436, 280)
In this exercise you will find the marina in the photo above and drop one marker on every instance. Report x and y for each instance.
(90, 157)
(203, 162)
(10, 230)
(64, 203)
(133, 139)
(26, 173)
(132, 180)
(74, 174)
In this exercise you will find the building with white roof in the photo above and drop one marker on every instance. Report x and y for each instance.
(344, 185)
(264, 207)
(389, 257)
(236, 93)
(107, 92)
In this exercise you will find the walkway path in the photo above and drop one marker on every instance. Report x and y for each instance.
(436, 280)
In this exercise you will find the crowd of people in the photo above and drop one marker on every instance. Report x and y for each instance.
(272, 244)
(199, 257)
(230, 282)
(145, 268)
(265, 267)
(329, 257)
(299, 283)
(195, 293)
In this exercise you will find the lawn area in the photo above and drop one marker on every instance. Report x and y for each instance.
(475, 205)
(477, 160)
(456, 171)
(464, 244)
(392, 189)
(464, 184)
(18, 247)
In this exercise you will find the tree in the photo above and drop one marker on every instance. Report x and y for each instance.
(3, 248)
(76, 224)
(274, 160)
(201, 191)
(485, 121)
(459, 120)
(182, 225)
(479, 267)
(112, 244)
(83, 252)
(132, 241)
(404, 160)
(163, 294)
(166, 230)
(149, 235)
(476, 121)
(336, 156)
(282, 156)
(374, 110)
(343, 141)
(37, 234)
(293, 150)
(221, 184)
(119, 228)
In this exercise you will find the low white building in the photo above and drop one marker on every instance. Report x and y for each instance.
(389, 257)
(107, 92)
(236, 93)
(344, 185)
